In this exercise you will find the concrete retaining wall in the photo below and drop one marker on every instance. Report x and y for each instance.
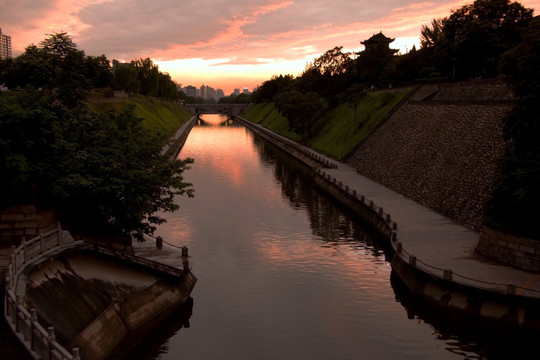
(180, 137)
(509, 310)
(512, 250)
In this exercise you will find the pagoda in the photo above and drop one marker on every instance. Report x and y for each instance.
(377, 43)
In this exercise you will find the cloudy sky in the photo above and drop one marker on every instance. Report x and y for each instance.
(222, 43)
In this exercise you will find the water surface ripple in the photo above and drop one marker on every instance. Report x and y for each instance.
(287, 273)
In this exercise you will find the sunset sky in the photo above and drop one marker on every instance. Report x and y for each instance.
(223, 44)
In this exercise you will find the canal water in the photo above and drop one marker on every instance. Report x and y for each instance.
(285, 272)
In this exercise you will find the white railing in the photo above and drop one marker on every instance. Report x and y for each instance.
(40, 342)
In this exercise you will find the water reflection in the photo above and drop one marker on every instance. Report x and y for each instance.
(330, 221)
(153, 345)
(284, 271)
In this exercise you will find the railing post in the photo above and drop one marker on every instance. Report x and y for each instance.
(24, 249)
(75, 353)
(40, 242)
(50, 339)
(18, 303)
(447, 275)
(33, 322)
(412, 260)
(59, 229)
(159, 242)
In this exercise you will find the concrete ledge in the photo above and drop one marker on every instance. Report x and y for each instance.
(510, 310)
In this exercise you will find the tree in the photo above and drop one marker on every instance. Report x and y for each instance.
(301, 110)
(125, 77)
(103, 173)
(517, 190)
(431, 36)
(31, 68)
(98, 71)
(333, 62)
(270, 88)
(474, 36)
(353, 95)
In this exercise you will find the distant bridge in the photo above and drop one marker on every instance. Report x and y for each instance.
(226, 109)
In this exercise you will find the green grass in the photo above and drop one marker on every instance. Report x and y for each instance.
(337, 134)
(162, 116)
(268, 116)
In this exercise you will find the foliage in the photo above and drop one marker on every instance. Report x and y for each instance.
(517, 190)
(470, 41)
(431, 35)
(301, 110)
(57, 65)
(270, 88)
(102, 172)
(333, 62)
(235, 99)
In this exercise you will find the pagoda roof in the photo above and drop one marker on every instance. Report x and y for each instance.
(377, 38)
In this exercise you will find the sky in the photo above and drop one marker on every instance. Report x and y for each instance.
(224, 44)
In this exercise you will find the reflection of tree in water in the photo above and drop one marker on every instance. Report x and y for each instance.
(462, 335)
(329, 219)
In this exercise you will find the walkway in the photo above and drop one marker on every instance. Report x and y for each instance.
(437, 243)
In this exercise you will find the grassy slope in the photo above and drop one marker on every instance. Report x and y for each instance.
(335, 134)
(161, 116)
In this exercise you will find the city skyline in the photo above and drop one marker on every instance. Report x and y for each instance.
(217, 42)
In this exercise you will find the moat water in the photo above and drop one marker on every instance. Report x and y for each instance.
(285, 272)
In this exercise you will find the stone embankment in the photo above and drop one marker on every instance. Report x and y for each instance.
(441, 148)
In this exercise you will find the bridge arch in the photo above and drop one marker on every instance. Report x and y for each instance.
(226, 109)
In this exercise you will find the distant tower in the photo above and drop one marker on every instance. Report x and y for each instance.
(5, 46)
(378, 42)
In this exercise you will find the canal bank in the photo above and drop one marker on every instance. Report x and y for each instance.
(432, 255)
(68, 299)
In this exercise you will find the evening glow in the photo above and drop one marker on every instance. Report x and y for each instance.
(219, 43)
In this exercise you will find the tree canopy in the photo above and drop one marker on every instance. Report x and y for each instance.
(56, 64)
(101, 172)
(517, 190)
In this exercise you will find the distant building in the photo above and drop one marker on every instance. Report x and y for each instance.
(5, 46)
(191, 91)
(246, 91)
(236, 91)
(378, 42)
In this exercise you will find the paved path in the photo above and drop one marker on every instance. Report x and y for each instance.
(436, 241)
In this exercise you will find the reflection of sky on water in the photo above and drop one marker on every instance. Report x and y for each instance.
(284, 272)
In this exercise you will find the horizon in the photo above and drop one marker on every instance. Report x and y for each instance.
(217, 43)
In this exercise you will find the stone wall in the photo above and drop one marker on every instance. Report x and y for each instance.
(21, 221)
(441, 148)
(512, 250)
